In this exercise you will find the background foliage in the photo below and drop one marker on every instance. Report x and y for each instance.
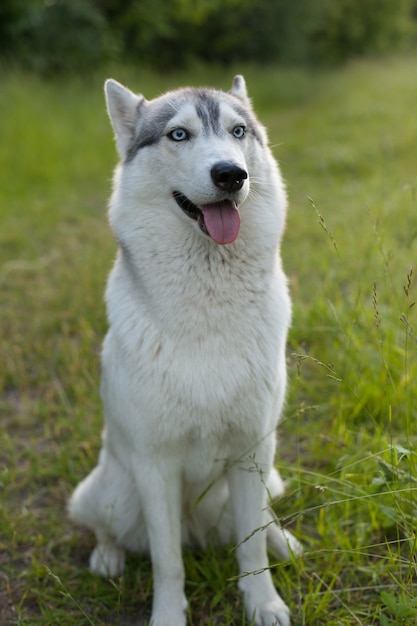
(51, 36)
(346, 141)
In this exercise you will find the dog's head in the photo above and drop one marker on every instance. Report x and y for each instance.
(192, 148)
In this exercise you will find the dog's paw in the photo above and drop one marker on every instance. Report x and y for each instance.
(107, 560)
(275, 613)
(263, 603)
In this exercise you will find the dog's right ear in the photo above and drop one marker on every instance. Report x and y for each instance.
(123, 108)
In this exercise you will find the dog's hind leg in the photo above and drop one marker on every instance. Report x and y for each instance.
(106, 501)
(280, 541)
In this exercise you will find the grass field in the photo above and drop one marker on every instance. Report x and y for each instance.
(347, 144)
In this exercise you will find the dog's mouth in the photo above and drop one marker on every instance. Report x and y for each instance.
(219, 220)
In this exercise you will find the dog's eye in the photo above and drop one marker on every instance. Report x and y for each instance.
(239, 132)
(179, 134)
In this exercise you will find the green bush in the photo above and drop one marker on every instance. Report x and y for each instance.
(53, 36)
(61, 36)
(167, 33)
(337, 31)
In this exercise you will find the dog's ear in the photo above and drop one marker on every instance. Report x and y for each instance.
(123, 108)
(239, 88)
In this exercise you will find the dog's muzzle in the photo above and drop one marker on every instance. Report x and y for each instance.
(219, 220)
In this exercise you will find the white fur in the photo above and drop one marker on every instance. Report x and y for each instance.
(194, 368)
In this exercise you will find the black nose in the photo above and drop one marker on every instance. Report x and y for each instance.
(228, 176)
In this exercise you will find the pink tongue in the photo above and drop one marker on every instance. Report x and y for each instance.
(222, 221)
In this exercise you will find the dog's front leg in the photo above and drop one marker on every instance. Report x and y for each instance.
(159, 484)
(249, 500)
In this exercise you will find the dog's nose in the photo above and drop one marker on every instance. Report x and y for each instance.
(228, 176)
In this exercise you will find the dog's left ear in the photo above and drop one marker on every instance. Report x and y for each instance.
(239, 88)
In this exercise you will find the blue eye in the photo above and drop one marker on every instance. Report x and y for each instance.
(179, 134)
(239, 132)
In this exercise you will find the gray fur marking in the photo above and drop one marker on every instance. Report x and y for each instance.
(152, 125)
(208, 110)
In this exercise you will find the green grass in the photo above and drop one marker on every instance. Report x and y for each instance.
(346, 141)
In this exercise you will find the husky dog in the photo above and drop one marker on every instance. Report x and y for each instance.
(193, 365)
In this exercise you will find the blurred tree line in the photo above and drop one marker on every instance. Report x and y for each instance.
(53, 36)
